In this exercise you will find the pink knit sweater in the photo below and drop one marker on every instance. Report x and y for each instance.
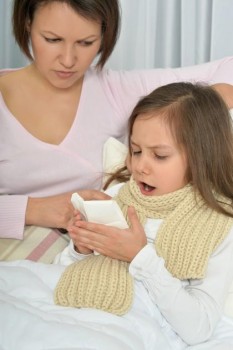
(30, 167)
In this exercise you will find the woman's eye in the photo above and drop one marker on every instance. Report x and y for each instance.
(85, 43)
(52, 40)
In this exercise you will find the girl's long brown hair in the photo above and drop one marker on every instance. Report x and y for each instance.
(200, 124)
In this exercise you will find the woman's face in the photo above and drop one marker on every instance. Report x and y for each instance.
(64, 43)
(158, 165)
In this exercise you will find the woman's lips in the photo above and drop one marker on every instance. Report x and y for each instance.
(64, 75)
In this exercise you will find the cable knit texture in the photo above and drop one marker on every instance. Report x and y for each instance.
(96, 282)
(190, 232)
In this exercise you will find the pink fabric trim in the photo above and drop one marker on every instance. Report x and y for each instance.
(39, 251)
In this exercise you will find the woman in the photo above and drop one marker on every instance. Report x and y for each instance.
(57, 112)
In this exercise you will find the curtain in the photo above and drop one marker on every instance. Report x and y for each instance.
(10, 55)
(154, 33)
(173, 33)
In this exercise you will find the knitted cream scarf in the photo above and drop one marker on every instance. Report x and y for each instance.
(188, 235)
(190, 232)
(96, 282)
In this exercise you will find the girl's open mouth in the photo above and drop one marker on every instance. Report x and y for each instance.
(146, 189)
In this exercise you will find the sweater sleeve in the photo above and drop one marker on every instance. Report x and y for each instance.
(188, 305)
(125, 88)
(12, 216)
(69, 256)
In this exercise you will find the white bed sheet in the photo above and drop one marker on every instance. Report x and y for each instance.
(30, 320)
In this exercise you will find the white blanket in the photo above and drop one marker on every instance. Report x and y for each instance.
(29, 319)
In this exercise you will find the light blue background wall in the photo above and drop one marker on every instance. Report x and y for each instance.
(155, 33)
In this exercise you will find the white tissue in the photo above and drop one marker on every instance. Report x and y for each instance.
(105, 212)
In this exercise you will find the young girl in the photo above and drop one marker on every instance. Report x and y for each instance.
(178, 203)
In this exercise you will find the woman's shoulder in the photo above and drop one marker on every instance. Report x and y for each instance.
(9, 79)
(7, 75)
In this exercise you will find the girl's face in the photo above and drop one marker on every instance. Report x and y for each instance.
(64, 43)
(159, 166)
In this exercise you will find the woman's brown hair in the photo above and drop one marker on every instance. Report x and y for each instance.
(201, 125)
(105, 11)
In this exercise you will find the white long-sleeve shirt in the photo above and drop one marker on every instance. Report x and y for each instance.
(190, 310)
(30, 167)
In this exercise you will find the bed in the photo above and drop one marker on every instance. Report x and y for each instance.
(29, 318)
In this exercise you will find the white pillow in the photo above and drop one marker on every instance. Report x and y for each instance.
(114, 155)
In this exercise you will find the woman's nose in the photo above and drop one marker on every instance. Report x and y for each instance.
(68, 57)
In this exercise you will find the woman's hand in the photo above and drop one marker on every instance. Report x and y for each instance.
(93, 195)
(110, 241)
(56, 211)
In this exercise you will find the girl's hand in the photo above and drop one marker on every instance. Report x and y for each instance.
(72, 233)
(110, 241)
(56, 211)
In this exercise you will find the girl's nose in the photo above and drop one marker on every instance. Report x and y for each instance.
(143, 165)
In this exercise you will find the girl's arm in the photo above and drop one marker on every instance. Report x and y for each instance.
(193, 308)
(69, 255)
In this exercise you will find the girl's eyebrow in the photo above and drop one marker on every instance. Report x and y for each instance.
(159, 146)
